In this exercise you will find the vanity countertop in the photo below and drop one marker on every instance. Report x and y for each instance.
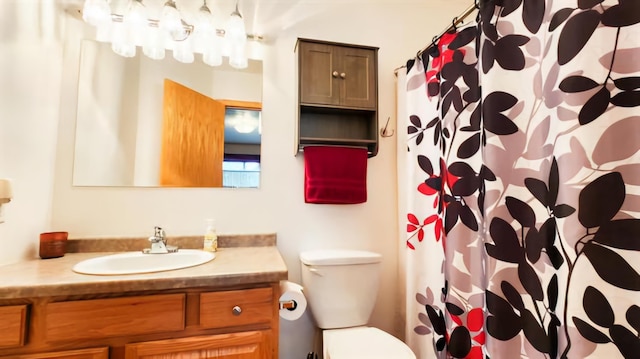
(232, 266)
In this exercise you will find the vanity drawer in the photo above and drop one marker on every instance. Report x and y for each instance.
(99, 318)
(92, 353)
(12, 325)
(236, 307)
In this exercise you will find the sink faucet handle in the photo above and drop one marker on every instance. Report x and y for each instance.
(159, 243)
(158, 235)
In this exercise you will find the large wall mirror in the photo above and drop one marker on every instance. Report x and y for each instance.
(150, 123)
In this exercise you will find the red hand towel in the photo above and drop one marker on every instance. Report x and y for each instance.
(335, 175)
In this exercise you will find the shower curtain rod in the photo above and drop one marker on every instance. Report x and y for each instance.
(456, 20)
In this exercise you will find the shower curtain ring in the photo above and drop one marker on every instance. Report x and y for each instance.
(453, 23)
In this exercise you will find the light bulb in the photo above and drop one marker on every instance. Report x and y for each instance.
(236, 37)
(171, 22)
(135, 22)
(154, 44)
(238, 62)
(103, 32)
(235, 30)
(96, 12)
(123, 48)
(183, 51)
(204, 20)
(211, 51)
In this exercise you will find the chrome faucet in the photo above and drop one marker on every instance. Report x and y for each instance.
(159, 243)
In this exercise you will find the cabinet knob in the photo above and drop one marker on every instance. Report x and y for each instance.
(343, 75)
(335, 74)
(236, 310)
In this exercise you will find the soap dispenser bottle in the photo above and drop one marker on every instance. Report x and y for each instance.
(210, 237)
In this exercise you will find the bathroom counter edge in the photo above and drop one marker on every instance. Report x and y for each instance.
(54, 277)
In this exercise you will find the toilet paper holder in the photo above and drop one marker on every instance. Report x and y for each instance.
(288, 304)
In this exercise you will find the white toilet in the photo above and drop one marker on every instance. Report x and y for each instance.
(341, 287)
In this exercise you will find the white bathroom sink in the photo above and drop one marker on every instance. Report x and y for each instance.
(138, 262)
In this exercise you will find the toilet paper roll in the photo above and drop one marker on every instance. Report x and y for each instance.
(290, 291)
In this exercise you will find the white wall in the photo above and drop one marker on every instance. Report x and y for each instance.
(398, 27)
(30, 68)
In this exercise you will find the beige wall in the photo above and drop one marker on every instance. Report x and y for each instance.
(30, 68)
(399, 28)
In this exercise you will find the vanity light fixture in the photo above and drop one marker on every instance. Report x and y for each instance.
(135, 28)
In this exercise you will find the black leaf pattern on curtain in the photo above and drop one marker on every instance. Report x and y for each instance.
(621, 234)
(595, 106)
(601, 199)
(626, 13)
(534, 332)
(530, 247)
(577, 84)
(463, 38)
(505, 246)
(575, 34)
(598, 308)
(460, 342)
(627, 83)
(512, 295)
(508, 54)
(589, 332)
(533, 14)
(503, 323)
(627, 342)
(600, 312)
(492, 107)
(626, 99)
(612, 267)
(560, 17)
(633, 317)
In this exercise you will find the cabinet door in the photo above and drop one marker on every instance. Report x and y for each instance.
(92, 353)
(318, 74)
(12, 325)
(357, 77)
(243, 345)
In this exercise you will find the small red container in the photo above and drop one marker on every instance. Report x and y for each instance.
(53, 244)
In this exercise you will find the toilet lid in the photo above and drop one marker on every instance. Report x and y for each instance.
(365, 343)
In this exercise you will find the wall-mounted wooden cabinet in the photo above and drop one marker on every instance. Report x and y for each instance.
(338, 95)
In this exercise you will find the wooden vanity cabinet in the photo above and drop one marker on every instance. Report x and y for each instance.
(229, 323)
(337, 95)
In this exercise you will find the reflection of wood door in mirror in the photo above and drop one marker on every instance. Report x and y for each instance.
(192, 138)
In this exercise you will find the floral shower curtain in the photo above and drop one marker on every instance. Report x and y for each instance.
(523, 235)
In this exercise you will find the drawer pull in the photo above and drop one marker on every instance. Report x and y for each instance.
(236, 310)
(334, 74)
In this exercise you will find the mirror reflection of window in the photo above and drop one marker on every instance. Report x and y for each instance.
(240, 174)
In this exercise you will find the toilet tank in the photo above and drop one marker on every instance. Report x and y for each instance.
(341, 286)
